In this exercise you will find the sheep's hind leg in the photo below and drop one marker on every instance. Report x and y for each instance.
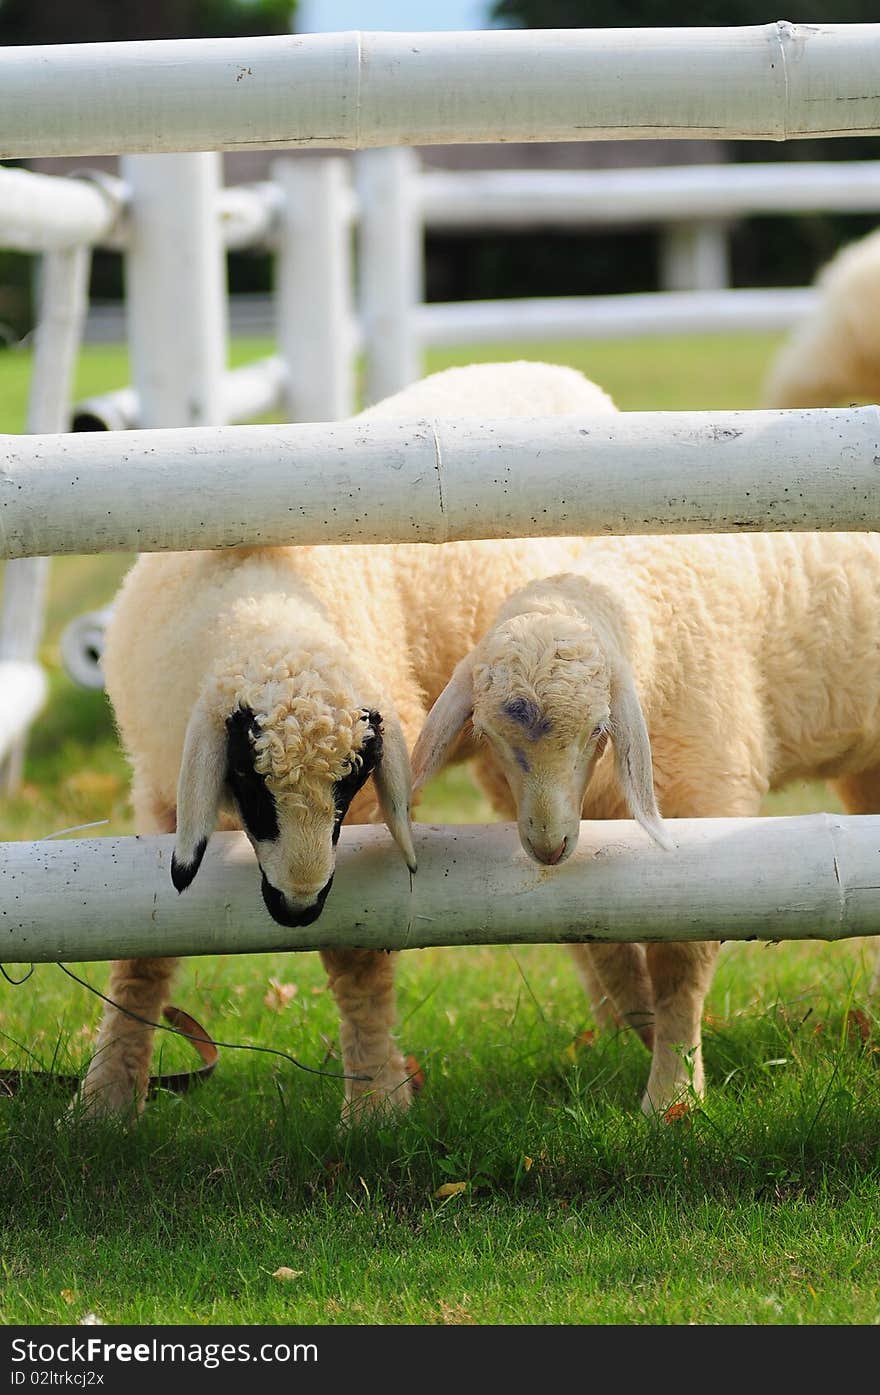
(377, 1075)
(860, 794)
(118, 1074)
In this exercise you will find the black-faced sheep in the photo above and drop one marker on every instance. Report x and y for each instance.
(279, 690)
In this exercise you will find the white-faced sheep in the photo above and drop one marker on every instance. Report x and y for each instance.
(833, 355)
(745, 662)
(261, 688)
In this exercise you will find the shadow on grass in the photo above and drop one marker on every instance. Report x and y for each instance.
(257, 1137)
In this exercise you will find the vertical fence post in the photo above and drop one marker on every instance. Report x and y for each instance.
(694, 257)
(390, 268)
(176, 288)
(313, 291)
(62, 300)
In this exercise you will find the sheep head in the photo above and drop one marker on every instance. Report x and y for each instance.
(546, 695)
(288, 745)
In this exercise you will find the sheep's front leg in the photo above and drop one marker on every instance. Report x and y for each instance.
(681, 975)
(119, 1071)
(378, 1080)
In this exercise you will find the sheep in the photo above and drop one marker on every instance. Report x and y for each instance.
(833, 355)
(744, 662)
(261, 688)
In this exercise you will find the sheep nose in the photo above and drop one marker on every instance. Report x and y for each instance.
(291, 914)
(552, 856)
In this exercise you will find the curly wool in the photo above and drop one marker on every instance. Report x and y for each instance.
(547, 663)
(311, 726)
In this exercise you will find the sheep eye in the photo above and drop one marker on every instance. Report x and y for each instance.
(597, 732)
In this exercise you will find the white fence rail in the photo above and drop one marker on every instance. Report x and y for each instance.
(808, 877)
(583, 198)
(437, 481)
(351, 90)
(608, 316)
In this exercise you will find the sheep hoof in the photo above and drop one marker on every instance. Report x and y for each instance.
(111, 1098)
(388, 1095)
(675, 1107)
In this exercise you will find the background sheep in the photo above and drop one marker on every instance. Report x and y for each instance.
(260, 688)
(833, 355)
(750, 661)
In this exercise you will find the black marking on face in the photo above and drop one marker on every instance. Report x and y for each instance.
(359, 771)
(182, 873)
(248, 787)
(281, 910)
(520, 758)
(528, 715)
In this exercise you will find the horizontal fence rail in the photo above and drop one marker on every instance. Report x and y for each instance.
(541, 198)
(766, 82)
(254, 390)
(443, 323)
(44, 213)
(438, 481)
(809, 877)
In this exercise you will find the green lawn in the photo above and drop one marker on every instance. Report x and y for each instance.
(760, 1208)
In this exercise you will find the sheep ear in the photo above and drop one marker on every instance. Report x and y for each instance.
(393, 781)
(444, 723)
(632, 756)
(199, 787)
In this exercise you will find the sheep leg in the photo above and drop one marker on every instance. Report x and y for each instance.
(118, 1074)
(618, 986)
(614, 976)
(860, 794)
(377, 1076)
(681, 975)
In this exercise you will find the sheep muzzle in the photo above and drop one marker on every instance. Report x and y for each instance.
(291, 913)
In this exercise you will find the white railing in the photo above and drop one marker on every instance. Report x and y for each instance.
(656, 472)
(354, 90)
(440, 481)
(813, 876)
(692, 205)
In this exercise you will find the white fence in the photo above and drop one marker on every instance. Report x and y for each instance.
(778, 81)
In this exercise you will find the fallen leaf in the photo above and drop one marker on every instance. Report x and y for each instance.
(451, 1189)
(858, 1024)
(680, 1110)
(279, 995)
(286, 1274)
(68, 1295)
(527, 1163)
(584, 1038)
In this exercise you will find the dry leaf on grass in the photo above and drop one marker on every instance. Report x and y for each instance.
(858, 1024)
(527, 1162)
(450, 1189)
(680, 1110)
(286, 1274)
(68, 1295)
(584, 1038)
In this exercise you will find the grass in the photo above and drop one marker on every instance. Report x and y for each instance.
(759, 1208)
